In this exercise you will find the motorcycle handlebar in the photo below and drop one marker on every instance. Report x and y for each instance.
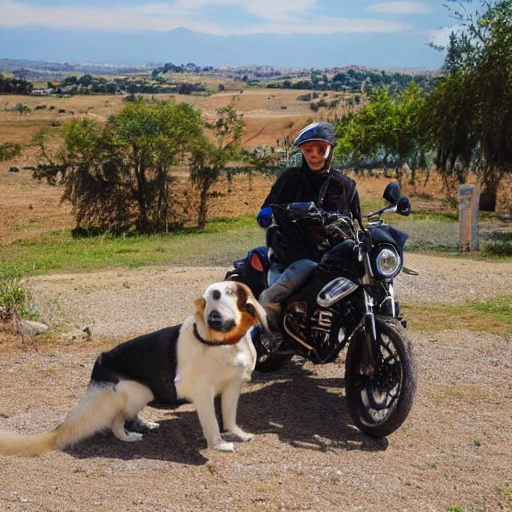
(309, 211)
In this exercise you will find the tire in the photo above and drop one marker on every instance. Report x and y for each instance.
(381, 401)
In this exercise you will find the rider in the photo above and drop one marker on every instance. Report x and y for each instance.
(293, 249)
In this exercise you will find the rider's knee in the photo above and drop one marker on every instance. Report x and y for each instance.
(290, 280)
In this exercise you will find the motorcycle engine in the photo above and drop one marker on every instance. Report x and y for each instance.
(319, 334)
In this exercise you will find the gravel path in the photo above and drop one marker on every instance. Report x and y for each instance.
(127, 302)
(452, 453)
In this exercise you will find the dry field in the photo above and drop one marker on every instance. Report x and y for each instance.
(28, 208)
(269, 114)
(452, 454)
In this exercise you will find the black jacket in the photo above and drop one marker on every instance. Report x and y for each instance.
(332, 192)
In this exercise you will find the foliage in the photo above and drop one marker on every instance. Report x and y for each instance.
(14, 85)
(20, 108)
(356, 80)
(208, 160)
(448, 120)
(9, 150)
(261, 159)
(469, 113)
(387, 128)
(89, 84)
(116, 175)
(498, 243)
(162, 80)
(15, 299)
(169, 67)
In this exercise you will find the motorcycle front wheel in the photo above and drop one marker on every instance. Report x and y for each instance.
(380, 396)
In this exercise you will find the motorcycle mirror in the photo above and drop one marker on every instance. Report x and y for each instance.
(392, 192)
(403, 206)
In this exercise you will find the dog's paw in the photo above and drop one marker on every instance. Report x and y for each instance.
(245, 436)
(132, 437)
(139, 425)
(237, 434)
(224, 447)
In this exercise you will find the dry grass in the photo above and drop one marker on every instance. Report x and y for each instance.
(269, 114)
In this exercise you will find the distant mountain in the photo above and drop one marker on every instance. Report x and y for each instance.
(181, 46)
(34, 69)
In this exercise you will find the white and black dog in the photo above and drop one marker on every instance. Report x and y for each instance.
(210, 354)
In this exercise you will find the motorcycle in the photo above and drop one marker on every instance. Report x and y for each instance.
(347, 301)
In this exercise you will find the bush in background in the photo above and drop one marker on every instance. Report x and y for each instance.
(15, 300)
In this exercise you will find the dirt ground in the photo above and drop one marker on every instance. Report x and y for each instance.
(452, 453)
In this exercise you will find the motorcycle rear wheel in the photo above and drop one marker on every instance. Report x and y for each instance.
(380, 399)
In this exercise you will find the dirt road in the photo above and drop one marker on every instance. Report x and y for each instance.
(452, 453)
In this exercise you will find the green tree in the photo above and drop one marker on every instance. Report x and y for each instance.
(387, 130)
(208, 160)
(156, 137)
(117, 175)
(449, 120)
(260, 160)
(475, 98)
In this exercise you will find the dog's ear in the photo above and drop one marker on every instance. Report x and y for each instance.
(247, 302)
(200, 304)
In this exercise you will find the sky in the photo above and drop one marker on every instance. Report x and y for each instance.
(425, 20)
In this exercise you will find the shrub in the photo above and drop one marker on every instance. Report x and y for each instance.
(9, 150)
(15, 300)
(499, 244)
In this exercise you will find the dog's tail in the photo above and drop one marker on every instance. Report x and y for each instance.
(95, 412)
(29, 444)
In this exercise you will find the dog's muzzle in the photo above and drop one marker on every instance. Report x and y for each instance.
(217, 323)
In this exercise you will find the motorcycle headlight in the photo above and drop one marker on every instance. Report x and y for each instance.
(386, 261)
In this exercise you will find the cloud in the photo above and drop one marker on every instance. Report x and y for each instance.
(266, 16)
(441, 37)
(401, 8)
(140, 17)
(334, 26)
(267, 9)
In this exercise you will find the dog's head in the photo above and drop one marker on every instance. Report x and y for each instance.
(226, 311)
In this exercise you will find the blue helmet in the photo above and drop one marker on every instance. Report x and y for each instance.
(316, 131)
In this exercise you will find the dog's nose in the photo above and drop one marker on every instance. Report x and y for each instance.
(215, 320)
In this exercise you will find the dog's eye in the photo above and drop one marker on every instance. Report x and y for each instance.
(250, 309)
(216, 294)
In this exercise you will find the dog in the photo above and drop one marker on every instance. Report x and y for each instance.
(210, 354)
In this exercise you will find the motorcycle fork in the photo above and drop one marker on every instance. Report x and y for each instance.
(370, 330)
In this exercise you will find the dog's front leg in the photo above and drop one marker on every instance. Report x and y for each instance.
(205, 407)
(229, 404)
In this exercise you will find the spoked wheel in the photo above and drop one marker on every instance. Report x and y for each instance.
(380, 398)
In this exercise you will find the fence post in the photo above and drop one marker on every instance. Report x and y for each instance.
(468, 218)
